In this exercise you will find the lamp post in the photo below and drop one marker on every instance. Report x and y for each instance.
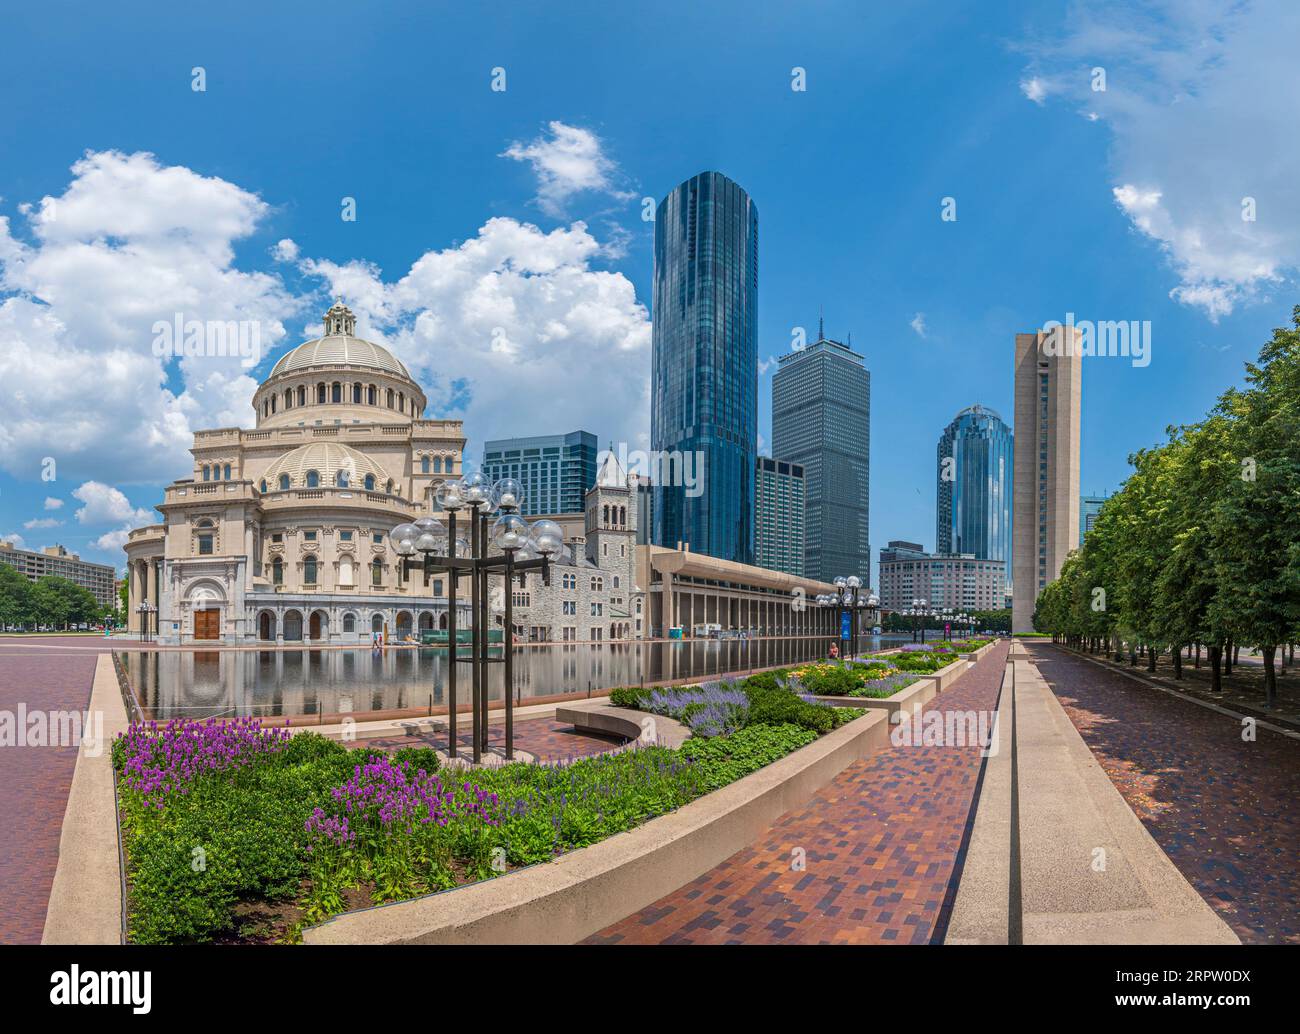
(523, 548)
(146, 631)
(918, 612)
(850, 598)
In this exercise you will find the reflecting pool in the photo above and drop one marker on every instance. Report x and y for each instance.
(266, 683)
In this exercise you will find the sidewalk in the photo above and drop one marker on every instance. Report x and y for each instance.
(1079, 866)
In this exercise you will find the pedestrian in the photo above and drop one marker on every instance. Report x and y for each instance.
(835, 651)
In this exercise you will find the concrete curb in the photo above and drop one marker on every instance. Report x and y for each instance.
(580, 893)
(85, 905)
(1088, 871)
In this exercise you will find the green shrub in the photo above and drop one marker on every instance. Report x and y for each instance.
(724, 759)
(630, 696)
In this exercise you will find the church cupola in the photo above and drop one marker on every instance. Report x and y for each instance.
(340, 321)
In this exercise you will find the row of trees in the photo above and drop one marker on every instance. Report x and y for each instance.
(1201, 546)
(49, 601)
(993, 620)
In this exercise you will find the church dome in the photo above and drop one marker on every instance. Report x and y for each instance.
(340, 347)
(325, 460)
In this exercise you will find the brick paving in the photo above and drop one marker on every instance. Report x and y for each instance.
(884, 843)
(1224, 810)
(546, 739)
(46, 674)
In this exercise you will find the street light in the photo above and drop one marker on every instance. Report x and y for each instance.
(145, 610)
(850, 599)
(523, 548)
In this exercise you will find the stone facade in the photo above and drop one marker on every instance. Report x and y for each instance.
(280, 533)
(593, 595)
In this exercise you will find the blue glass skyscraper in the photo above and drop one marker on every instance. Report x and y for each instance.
(704, 378)
(974, 483)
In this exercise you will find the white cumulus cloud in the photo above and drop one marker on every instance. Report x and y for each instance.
(1201, 101)
(569, 161)
(104, 504)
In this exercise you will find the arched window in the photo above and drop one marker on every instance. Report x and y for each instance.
(437, 464)
(336, 392)
(424, 464)
(205, 543)
(349, 622)
(370, 395)
(277, 571)
(370, 482)
(320, 392)
(342, 478)
(207, 474)
(272, 403)
(377, 572)
(302, 395)
(313, 479)
(390, 398)
(401, 401)
(284, 482)
(356, 394)
(309, 570)
(262, 486)
(605, 515)
(226, 475)
(288, 398)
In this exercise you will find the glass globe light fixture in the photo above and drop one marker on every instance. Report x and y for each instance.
(510, 533)
(448, 496)
(476, 490)
(403, 539)
(547, 538)
(510, 494)
(839, 581)
(853, 581)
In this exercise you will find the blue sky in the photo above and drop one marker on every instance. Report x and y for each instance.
(471, 207)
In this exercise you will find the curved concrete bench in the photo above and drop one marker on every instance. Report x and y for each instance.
(641, 726)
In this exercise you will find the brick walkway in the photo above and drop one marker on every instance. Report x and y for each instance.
(46, 674)
(546, 739)
(883, 843)
(1224, 810)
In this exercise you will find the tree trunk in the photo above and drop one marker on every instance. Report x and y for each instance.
(1176, 655)
(1151, 658)
(1227, 660)
(1198, 655)
(1216, 677)
(1236, 653)
(1132, 656)
(1270, 677)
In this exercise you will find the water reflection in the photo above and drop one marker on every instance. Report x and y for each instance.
(171, 684)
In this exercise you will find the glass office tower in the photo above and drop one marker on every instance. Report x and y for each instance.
(974, 478)
(821, 419)
(704, 378)
(555, 470)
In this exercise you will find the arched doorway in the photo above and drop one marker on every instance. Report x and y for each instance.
(426, 621)
(318, 624)
(266, 626)
(403, 624)
(442, 621)
(292, 627)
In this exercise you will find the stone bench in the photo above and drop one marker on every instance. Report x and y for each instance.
(647, 729)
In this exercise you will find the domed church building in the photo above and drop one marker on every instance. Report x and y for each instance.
(280, 533)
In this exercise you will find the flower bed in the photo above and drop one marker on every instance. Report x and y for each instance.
(237, 833)
(920, 661)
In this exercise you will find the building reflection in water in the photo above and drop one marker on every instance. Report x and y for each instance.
(197, 684)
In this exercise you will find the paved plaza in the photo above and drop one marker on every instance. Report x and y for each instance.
(1223, 809)
(882, 847)
(46, 674)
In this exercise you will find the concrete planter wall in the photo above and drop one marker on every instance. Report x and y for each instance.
(577, 894)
